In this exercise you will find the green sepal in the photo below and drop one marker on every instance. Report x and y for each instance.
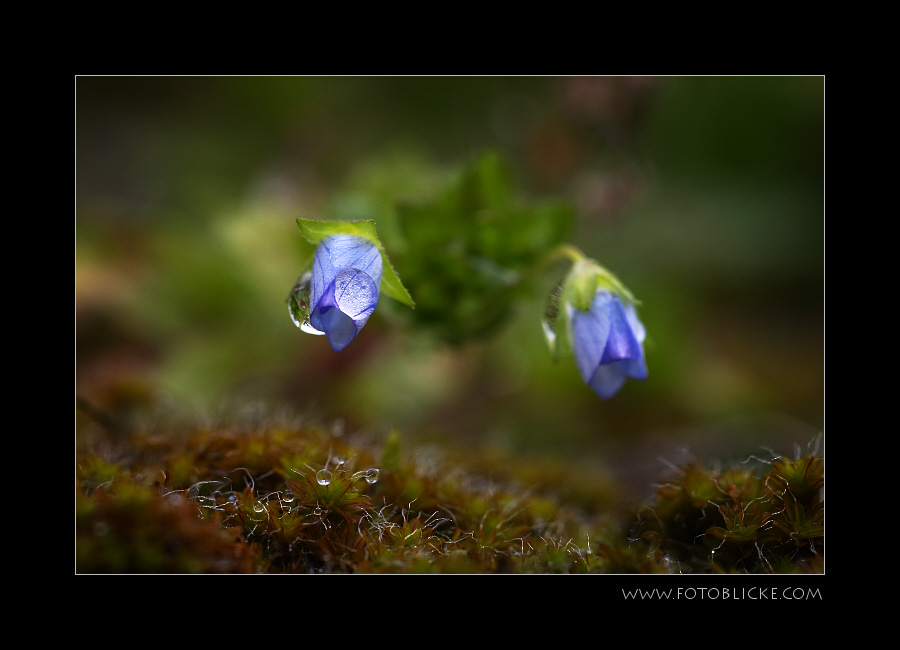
(577, 289)
(315, 231)
(585, 278)
(581, 285)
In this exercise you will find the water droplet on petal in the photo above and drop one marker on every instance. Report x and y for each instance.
(309, 329)
(356, 295)
(298, 304)
(292, 314)
(323, 477)
(298, 299)
(550, 316)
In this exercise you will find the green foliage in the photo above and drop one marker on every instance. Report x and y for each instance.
(735, 521)
(470, 251)
(275, 496)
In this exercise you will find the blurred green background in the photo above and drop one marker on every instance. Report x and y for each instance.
(705, 195)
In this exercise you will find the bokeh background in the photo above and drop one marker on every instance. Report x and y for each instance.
(705, 195)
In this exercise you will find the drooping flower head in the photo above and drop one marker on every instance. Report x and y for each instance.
(346, 277)
(592, 315)
(350, 270)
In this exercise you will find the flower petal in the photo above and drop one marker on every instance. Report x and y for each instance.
(590, 330)
(621, 343)
(338, 252)
(344, 289)
(338, 327)
(608, 379)
(606, 342)
(345, 307)
(640, 332)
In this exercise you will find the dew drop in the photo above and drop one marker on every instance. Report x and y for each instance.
(287, 496)
(309, 329)
(356, 294)
(298, 304)
(259, 511)
(323, 477)
(298, 299)
(372, 475)
(550, 316)
(206, 502)
(293, 315)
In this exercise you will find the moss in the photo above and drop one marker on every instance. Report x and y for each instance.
(251, 498)
(130, 528)
(737, 521)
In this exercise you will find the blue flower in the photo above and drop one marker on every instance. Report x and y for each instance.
(346, 276)
(607, 341)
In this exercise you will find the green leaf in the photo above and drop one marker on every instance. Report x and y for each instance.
(315, 231)
(391, 285)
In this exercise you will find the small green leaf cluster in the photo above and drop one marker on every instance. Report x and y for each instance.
(468, 254)
(738, 521)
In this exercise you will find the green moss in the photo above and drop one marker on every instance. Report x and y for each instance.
(737, 521)
(251, 499)
(130, 528)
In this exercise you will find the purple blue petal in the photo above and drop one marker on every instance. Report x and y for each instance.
(345, 280)
(607, 341)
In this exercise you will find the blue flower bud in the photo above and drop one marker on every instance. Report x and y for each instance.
(607, 341)
(346, 277)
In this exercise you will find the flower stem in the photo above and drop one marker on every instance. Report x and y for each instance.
(563, 251)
